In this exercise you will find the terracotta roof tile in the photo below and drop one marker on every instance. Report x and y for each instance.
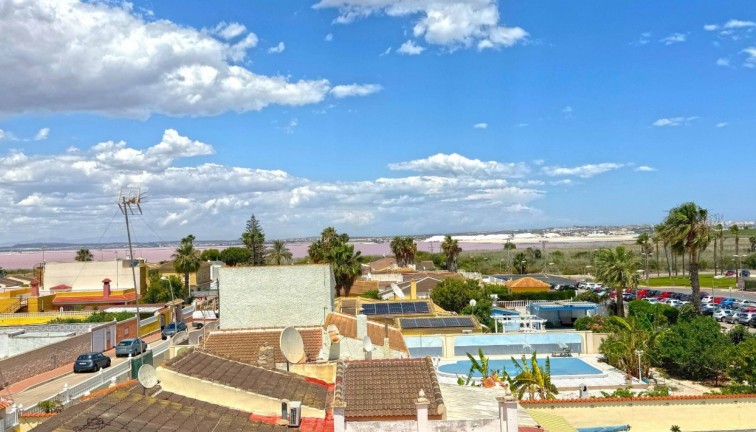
(272, 383)
(387, 388)
(243, 345)
(347, 325)
(527, 282)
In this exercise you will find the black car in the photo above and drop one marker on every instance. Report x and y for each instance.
(91, 362)
(752, 322)
(170, 329)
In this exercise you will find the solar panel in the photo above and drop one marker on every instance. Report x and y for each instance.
(441, 322)
(422, 307)
(409, 308)
(408, 323)
(395, 308)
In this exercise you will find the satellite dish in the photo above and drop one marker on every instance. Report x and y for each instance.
(147, 376)
(367, 344)
(292, 345)
(397, 291)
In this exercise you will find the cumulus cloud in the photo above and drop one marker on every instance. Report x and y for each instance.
(456, 164)
(644, 39)
(583, 171)
(480, 125)
(277, 49)
(42, 134)
(101, 57)
(6, 136)
(674, 38)
(645, 168)
(449, 23)
(723, 62)
(342, 91)
(750, 61)
(734, 28)
(674, 121)
(409, 48)
(328, 37)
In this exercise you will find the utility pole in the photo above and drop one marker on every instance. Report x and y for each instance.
(127, 201)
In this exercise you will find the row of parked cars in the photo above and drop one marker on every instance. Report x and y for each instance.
(730, 310)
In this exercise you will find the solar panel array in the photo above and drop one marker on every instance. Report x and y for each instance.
(395, 308)
(410, 323)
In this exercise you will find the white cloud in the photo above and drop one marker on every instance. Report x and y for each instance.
(674, 38)
(583, 171)
(733, 23)
(734, 28)
(644, 39)
(409, 48)
(750, 61)
(711, 27)
(567, 112)
(277, 49)
(480, 125)
(645, 168)
(674, 121)
(722, 124)
(387, 52)
(328, 37)
(102, 57)
(229, 31)
(342, 91)
(42, 134)
(723, 62)
(450, 23)
(455, 164)
(6, 136)
(289, 129)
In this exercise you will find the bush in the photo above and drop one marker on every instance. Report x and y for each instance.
(371, 294)
(589, 296)
(97, 317)
(50, 406)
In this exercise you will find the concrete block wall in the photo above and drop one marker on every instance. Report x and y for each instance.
(275, 296)
(31, 363)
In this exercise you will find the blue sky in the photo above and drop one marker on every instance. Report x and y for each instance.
(378, 117)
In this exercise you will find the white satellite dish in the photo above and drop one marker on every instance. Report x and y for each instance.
(292, 345)
(147, 376)
(397, 291)
(367, 344)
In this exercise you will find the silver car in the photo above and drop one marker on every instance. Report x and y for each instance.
(721, 314)
(130, 347)
(745, 317)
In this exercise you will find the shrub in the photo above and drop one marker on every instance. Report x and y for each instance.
(371, 294)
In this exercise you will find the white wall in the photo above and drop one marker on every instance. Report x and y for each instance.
(275, 296)
(88, 276)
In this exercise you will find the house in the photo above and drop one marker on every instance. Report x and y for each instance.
(88, 276)
(381, 265)
(243, 345)
(275, 296)
(381, 335)
(68, 299)
(426, 266)
(423, 287)
(527, 285)
(439, 325)
(562, 313)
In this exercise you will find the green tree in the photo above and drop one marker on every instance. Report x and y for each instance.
(451, 250)
(404, 250)
(735, 230)
(628, 336)
(253, 238)
(186, 260)
(687, 229)
(332, 248)
(83, 255)
(617, 268)
(210, 255)
(454, 295)
(752, 241)
(159, 290)
(521, 262)
(743, 367)
(644, 241)
(695, 349)
(234, 256)
(278, 253)
(533, 380)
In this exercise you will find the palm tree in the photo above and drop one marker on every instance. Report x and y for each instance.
(451, 251)
(404, 250)
(658, 236)
(752, 240)
(617, 268)
(631, 335)
(278, 253)
(346, 264)
(84, 255)
(533, 380)
(644, 240)
(687, 229)
(717, 230)
(186, 259)
(720, 233)
(734, 229)
(655, 239)
(521, 262)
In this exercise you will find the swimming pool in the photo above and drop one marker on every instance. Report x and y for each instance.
(560, 366)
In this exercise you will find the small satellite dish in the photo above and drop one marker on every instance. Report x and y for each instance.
(397, 291)
(147, 376)
(367, 344)
(292, 345)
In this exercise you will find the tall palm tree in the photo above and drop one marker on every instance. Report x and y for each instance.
(720, 233)
(186, 259)
(660, 238)
(533, 380)
(451, 251)
(346, 264)
(717, 236)
(617, 268)
(278, 253)
(655, 239)
(84, 255)
(404, 250)
(687, 228)
(734, 229)
(644, 240)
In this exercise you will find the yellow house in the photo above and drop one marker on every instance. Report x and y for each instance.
(527, 284)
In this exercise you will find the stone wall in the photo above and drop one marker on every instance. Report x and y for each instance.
(47, 358)
(275, 296)
(126, 329)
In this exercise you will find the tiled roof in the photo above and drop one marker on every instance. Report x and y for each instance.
(271, 383)
(387, 388)
(128, 297)
(347, 325)
(382, 264)
(243, 345)
(124, 410)
(426, 266)
(527, 282)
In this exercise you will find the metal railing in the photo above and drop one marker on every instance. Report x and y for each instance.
(520, 303)
(45, 314)
(11, 418)
(11, 307)
(149, 320)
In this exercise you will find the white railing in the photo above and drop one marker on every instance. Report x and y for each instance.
(520, 303)
(149, 320)
(11, 418)
(187, 310)
(45, 314)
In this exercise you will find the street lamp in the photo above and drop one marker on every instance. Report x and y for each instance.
(640, 375)
(173, 306)
(473, 302)
(522, 266)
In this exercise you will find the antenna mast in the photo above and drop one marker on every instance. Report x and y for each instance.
(127, 201)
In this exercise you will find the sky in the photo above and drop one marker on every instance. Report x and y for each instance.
(377, 117)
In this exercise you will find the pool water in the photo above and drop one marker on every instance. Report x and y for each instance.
(559, 366)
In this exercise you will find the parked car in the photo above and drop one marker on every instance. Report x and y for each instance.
(707, 299)
(731, 319)
(202, 317)
(628, 297)
(130, 347)
(727, 303)
(170, 329)
(674, 302)
(652, 300)
(745, 273)
(752, 323)
(91, 362)
(730, 273)
(745, 317)
(708, 308)
(721, 314)
(665, 294)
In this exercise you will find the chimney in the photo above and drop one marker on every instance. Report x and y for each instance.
(361, 326)
(34, 288)
(508, 415)
(266, 358)
(106, 287)
(422, 405)
(339, 423)
(413, 290)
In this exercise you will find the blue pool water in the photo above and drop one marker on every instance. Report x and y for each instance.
(559, 366)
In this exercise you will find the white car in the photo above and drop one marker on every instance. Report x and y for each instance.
(652, 300)
(721, 314)
(707, 299)
(674, 302)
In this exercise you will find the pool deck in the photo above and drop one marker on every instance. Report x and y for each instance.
(465, 402)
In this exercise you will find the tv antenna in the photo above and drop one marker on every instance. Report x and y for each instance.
(147, 376)
(129, 200)
(292, 346)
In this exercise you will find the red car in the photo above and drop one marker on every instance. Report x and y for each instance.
(665, 294)
(642, 294)
(717, 300)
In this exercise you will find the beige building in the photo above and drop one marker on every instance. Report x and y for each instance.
(88, 276)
